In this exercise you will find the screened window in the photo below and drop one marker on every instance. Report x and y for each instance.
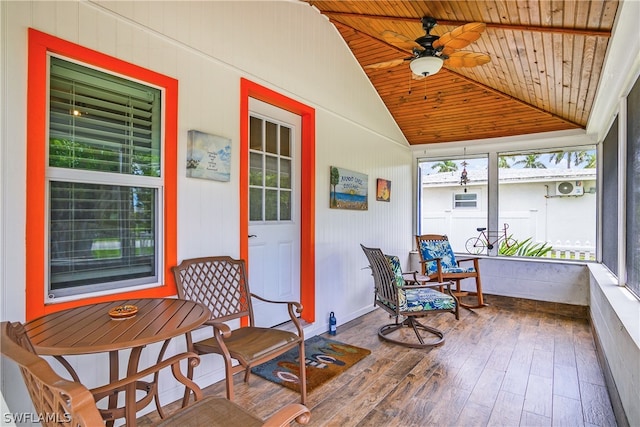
(632, 226)
(453, 197)
(548, 201)
(104, 180)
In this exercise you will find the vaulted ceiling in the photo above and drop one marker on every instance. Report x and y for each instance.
(546, 59)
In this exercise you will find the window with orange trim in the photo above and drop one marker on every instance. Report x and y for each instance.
(106, 176)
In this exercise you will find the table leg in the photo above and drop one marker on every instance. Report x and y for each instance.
(114, 374)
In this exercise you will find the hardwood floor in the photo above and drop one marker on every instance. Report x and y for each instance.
(513, 363)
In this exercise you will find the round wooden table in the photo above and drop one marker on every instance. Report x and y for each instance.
(89, 329)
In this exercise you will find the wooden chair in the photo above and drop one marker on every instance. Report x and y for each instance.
(62, 402)
(220, 283)
(440, 263)
(393, 295)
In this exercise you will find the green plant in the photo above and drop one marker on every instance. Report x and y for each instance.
(525, 248)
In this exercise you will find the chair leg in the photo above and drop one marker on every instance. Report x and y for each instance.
(247, 374)
(477, 294)
(411, 322)
(229, 379)
(303, 374)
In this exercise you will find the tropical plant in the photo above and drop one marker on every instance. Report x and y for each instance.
(525, 248)
(530, 161)
(503, 162)
(575, 157)
(445, 166)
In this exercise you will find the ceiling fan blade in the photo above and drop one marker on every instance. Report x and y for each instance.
(385, 64)
(466, 59)
(399, 40)
(461, 36)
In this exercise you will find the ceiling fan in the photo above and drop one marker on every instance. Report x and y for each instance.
(430, 52)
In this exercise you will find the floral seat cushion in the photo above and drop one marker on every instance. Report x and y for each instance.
(441, 249)
(418, 299)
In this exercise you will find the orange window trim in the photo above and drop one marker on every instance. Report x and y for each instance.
(36, 270)
(249, 89)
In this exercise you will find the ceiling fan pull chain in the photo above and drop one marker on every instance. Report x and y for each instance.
(425, 89)
(410, 80)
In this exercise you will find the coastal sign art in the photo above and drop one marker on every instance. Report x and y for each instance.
(349, 190)
(208, 156)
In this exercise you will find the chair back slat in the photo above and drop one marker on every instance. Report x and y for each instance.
(58, 402)
(220, 283)
(384, 278)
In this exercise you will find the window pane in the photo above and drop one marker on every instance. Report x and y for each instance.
(285, 173)
(101, 234)
(255, 169)
(285, 205)
(255, 134)
(101, 122)
(271, 205)
(271, 140)
(255, 204)
(271, 172)
(285, 141)
(548, 201)
(442, 180)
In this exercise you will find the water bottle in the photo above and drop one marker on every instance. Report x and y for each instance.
(332, 324)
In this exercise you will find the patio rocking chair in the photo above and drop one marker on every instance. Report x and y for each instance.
(440, 263)
(220, 283)
(400, 299)
(62, 402)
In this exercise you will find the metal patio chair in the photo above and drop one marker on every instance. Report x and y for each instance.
(409, 301)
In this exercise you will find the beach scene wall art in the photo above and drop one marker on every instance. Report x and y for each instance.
(208, 156)
(349, 189)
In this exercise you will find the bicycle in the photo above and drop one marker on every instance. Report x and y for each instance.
(476, 245)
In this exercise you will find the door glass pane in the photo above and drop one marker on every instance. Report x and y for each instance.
(271, 169)
(255, 169)
(271, 140)
(271, 205)
(255, 134)
(285, 141)
(271, 172)
(285, 173)
(285, 205)
(255, 204)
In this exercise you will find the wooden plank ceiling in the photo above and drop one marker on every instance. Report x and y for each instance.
(546, 62)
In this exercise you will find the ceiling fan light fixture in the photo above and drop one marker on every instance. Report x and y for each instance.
(426, 65)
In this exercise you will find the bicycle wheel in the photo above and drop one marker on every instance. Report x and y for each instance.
(475, 245)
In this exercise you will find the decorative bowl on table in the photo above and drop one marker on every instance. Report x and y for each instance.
(123, 311)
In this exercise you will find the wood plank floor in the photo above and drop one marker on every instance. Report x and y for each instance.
(513, 363)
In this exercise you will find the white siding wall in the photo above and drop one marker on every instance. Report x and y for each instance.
(208, 47)
(522, 205)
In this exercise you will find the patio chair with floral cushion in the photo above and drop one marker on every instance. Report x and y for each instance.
(440, 264)
(409, 301)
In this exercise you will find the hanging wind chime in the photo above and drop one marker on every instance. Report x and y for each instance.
(464, 178)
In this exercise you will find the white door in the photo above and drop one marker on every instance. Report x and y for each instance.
(274, 210)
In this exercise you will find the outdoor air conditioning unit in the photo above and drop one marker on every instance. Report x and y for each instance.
(569, 188)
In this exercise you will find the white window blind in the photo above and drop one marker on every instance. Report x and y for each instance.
(105, 184)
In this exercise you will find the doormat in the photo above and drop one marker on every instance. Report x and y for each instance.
(325, 359)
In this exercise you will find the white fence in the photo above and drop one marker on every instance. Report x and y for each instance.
(572, 250)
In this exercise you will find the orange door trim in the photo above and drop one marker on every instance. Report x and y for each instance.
(249, 89)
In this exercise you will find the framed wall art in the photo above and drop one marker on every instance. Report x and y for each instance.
(349, 190)
(208, 156)
(383, 190)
